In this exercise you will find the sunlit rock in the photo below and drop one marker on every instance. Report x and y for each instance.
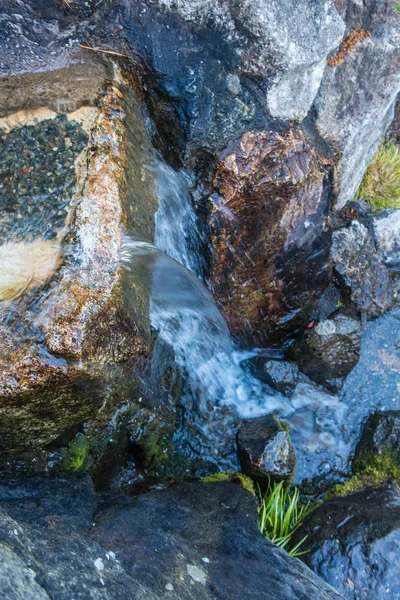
(70, 319)
(356, 99)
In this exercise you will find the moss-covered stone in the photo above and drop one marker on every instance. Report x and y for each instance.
(370, 470)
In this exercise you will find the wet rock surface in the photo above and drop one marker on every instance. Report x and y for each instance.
(328, 352)
(381, 433)
(362, 272)
(270, 242)
(354, 542)
(265, 451)
(189, 541)
(325, 427)
(351, 112)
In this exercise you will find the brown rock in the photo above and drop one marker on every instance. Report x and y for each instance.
(270, 241)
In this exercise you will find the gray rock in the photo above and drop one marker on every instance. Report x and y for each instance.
(381, 433)
(17, 581)
(353, 543)
(330, 351)
(355, 102)
(386, 225)
(192, 541)
(287, 43)
(265, 451)
(362, 272)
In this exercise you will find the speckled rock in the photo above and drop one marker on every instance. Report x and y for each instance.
(264, 449)
(363, 274)
(355, 102)
(329, 351)
(386, 225)
(353, 543)
(270, 240)
(192, 541)
(63, 346)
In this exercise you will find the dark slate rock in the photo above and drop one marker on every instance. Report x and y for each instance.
(192, 541)
(362, 272)
(265, 451)
(329, 352)
(353, 543)
(381, 432)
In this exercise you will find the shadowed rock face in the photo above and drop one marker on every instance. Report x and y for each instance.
(192, 541)
(270, 242)
(381, 433)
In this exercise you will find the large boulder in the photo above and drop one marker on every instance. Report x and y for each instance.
(222, 68)
(191, 541)
(270, 240)
(74, 180)
(271, 43)
(356, 99)
(353, 543)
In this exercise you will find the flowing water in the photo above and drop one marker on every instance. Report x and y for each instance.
(324, 427)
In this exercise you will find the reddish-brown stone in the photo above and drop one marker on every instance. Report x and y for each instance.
(270, 240)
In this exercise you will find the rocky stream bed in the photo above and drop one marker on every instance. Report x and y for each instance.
(191, 286)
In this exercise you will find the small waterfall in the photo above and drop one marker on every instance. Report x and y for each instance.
(182, 309)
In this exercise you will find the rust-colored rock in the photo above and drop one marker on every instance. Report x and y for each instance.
(270, 240)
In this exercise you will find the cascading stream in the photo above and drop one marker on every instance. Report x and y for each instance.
(182, 309)
(183, 312)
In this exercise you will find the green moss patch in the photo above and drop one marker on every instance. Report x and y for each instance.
(243, 480)
(370, 470)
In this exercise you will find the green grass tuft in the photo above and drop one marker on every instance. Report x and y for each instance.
(396, 6)
(370, 470)
(77, 452)
(280, 514)
(380, 186)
